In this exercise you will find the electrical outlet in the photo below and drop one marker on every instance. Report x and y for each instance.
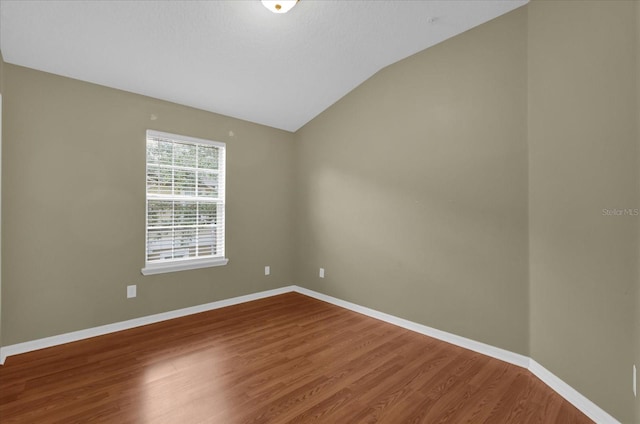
(131, 291)
(267, 270)
(635, 381)
(321, 273)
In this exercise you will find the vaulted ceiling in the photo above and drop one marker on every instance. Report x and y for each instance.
(233, 57)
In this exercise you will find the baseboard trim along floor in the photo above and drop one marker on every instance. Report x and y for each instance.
(586, 406)
(589, 408)
(29, 346)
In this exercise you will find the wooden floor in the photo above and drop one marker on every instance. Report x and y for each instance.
(285, 359)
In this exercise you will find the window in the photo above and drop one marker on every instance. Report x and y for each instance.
(185, 203)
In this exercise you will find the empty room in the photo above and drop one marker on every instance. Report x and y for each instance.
(331, 211)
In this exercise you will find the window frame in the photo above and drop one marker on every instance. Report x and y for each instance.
(180, 264)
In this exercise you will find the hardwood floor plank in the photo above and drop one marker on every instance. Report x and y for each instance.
(487, 392)
(285, 359)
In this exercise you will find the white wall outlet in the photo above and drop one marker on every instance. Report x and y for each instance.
(321, 273)
(131, 291)
(635, 381)
(267, 270)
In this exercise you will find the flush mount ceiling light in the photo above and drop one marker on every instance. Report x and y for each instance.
(279, 6)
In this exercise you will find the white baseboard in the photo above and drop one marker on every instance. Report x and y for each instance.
(589, 408)
(29, 346)
(485, 349)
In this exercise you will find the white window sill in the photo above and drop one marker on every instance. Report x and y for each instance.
(161, 268)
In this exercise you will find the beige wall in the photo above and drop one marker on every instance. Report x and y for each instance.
(461, 188)
(1, 85)
(583, 159)
(412, 189)
(74, 209)
(637, 323)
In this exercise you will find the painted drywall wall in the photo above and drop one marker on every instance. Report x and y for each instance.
(1, 84)
(637, 323)
(365, 180)
(584, 163)
(412, 189)
(74, 206)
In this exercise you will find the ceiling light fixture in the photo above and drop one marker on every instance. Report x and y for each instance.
(279, 6)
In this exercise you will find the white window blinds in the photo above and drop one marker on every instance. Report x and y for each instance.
(185, 203)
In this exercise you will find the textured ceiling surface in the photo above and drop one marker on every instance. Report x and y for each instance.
(233, 57)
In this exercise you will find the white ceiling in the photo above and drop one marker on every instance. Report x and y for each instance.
(233, 57)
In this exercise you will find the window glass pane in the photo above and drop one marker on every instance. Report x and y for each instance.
(184, 155)
(159, 180)
(207, 157)
(184, 242)
(207, 184)
(153, 177)
(162, 154)
(185, 213)
(207, 213)
(152, 152)
(159, 244)
(184, 182)
(159, 213)
(206, 240)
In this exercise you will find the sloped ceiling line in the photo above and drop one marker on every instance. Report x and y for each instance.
(232, 57)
